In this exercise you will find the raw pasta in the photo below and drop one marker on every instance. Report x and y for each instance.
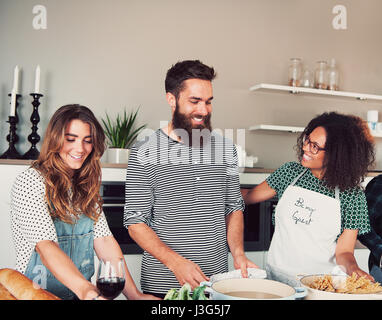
(353, 284)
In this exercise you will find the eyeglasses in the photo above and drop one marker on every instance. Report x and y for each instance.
(314, 148)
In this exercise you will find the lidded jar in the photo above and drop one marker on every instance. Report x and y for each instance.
(320, 76)
(295, 70)
(333, 76)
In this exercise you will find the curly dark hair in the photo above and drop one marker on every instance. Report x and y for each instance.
(184, 70)
(349, 149)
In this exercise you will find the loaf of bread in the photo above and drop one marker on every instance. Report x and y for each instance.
(21, 287)
(5, 294)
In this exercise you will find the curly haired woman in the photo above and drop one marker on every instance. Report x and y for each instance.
(321, 207)
(56, 210)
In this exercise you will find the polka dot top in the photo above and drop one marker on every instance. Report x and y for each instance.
(354, 214)
(30, 218)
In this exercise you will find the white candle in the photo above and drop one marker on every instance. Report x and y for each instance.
(37, 80)
(12, 113)
(16, 80)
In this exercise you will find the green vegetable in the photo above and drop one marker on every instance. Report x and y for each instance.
(172, 294)
(185, 293)
(198, 293)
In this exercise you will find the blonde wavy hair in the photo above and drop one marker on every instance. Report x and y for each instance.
(70, 194)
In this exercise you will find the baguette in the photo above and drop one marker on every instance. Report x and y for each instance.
(22, 288)
(5, 294)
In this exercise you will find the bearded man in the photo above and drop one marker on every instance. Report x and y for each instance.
(183, 202)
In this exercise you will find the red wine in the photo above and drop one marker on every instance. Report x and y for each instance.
(110, 288)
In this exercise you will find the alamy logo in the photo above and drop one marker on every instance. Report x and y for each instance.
(39, 281)
(40, 19)
(155, 150)
(340, 20)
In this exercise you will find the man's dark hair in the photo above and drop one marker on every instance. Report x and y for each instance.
(349, 148)
(184, 70)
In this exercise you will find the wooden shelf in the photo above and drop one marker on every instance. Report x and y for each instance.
(295, 90)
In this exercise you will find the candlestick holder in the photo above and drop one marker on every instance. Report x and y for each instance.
(12, 138)
(34, 138)
(16, 105)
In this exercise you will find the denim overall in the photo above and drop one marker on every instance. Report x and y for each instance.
(76, 240)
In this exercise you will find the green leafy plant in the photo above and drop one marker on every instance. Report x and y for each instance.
(122, 132)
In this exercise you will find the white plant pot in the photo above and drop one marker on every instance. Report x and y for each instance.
(116, 155)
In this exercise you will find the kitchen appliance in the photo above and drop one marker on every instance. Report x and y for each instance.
(113, 194)
(258, 228)
(252, 289)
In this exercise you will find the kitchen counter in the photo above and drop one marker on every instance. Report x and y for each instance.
(371, 173)
(28, 162)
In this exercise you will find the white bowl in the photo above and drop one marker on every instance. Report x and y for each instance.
(314, 294)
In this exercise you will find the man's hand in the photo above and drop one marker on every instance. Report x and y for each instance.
(187, 271)
(242, 262)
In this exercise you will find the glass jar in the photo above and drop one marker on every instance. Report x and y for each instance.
(333, 76)
(307, 80)
(295, 72)
(320, 79)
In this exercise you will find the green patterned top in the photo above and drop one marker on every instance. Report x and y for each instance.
(354, 214)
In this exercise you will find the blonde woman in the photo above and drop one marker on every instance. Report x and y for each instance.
(56, 210)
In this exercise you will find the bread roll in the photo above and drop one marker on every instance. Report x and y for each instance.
(23, 288)
(5, 294)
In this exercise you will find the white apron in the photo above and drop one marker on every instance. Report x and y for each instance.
(307, 224)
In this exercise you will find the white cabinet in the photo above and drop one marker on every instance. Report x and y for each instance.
(8, 174)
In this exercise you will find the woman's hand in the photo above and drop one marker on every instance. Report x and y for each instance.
(91, 293)
(345, 254)
(359, 272)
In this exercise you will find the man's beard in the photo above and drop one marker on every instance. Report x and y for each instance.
(201, 131)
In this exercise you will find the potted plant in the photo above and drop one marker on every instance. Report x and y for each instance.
(121, 134)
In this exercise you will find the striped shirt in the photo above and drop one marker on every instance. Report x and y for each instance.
(183, 194)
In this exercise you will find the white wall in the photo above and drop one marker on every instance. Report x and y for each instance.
(114, 54)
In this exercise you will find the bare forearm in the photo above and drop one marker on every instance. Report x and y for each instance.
(63, 268)
(235, 239)
(345, 253)
(260, 193)
(184, 269)
(148, 240)
(235, 233)
(347, 260)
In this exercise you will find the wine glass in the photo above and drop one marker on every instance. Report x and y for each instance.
(111, 277)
